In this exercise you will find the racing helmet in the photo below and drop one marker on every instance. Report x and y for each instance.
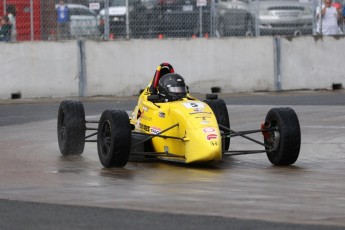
(171, 87)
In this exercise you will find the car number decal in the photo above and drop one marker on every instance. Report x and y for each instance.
(194, 105)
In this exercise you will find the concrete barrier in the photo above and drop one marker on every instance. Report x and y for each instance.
(312, 62)
(39, 69)
(53, 69)
(235, 64)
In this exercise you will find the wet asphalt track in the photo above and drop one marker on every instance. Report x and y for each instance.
(242, 192)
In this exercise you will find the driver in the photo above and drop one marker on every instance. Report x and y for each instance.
(171, 87)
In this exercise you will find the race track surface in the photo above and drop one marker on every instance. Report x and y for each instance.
(241, 192)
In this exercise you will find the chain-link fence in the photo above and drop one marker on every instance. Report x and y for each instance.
(133, 19)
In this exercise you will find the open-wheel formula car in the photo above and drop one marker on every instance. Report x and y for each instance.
(169, 124)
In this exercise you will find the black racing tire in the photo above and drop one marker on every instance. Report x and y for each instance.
(114, 138)
(287, 138)
(71, 127)
(220, 110)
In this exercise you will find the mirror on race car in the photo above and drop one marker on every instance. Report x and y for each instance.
(153, 98)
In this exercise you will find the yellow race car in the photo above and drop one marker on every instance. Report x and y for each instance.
(169, 124)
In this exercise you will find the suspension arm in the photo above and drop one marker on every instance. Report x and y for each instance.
(244, 136)
(155, 135)
(243, 152)
(240, 133)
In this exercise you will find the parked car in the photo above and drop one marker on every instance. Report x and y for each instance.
(83, 21)
(149, 18)
(117, 17)
(235, 18)
(181, 18)
(285, 17)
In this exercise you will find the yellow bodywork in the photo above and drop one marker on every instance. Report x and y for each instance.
(195, 131)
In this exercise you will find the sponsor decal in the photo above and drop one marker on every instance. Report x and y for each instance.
(214, 143)
(212, 136)
(161, 114)
(204, 122)
(144, 127)
(198, 110)
(204, 117)
(145, 108)
(209, 130)
(155, 130)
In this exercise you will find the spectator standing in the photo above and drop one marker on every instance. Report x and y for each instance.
(11, 13)
(63, 20)
(329, 19)
(5, 30)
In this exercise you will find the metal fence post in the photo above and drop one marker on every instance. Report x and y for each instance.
(320, 17)
(212, 19)
(200, 21)
(277, 63)
(4, 7)
(256, 12)
(81, 68)
(106, 20)
(31, 20)
(127, 19)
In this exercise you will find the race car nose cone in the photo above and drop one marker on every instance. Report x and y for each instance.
(204, 145)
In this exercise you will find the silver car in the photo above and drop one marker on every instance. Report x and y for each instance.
(285, 17)
(83, 21)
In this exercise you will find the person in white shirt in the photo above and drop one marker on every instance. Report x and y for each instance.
(327, 24)
(11, 13)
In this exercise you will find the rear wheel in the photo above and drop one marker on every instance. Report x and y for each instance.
(220, 110)
(71, 127)
(286, 141)
(114, 138)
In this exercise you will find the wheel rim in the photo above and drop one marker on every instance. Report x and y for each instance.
(274, 138)
(105, 138)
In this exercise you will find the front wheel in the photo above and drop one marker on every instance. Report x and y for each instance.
(71, 127)
(114, 138)
(285, 142)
